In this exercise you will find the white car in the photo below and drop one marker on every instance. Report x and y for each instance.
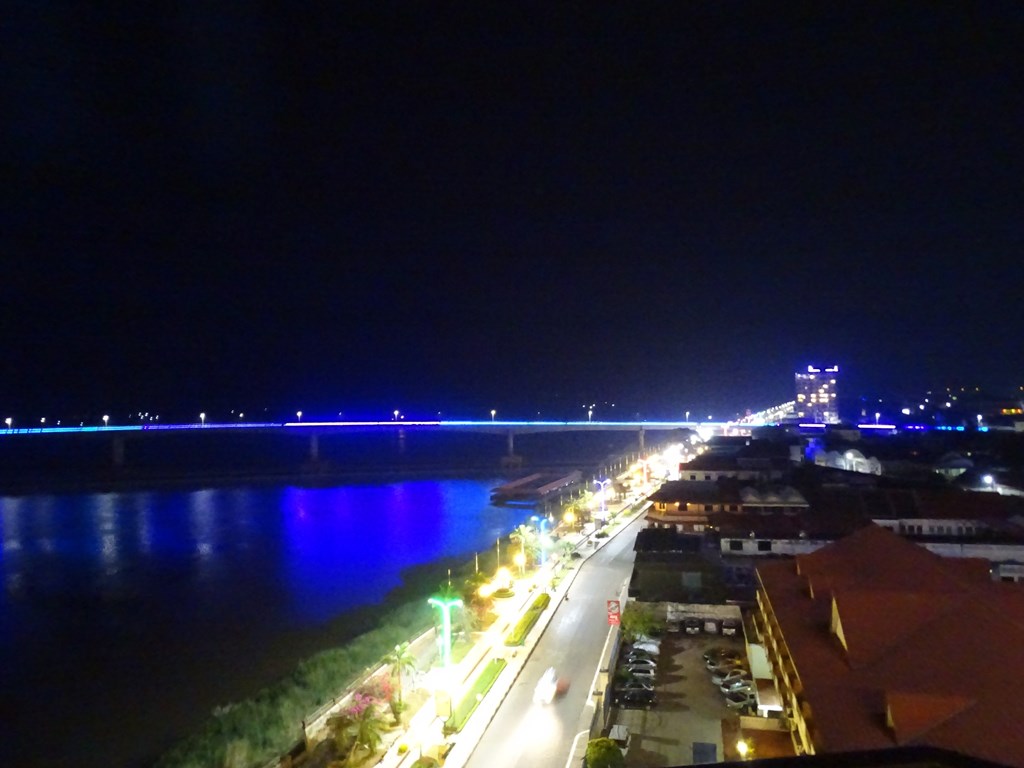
(740, 699)
(725, 678)
(547, 687)
(740, 684)
(650, 648)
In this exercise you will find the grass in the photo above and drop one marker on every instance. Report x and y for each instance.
(461, 714)
(518, 635)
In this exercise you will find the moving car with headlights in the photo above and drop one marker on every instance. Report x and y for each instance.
(549, 686)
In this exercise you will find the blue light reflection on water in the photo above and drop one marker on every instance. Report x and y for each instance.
(350, 544)
(201, 594)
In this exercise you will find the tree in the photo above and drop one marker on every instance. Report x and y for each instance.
(604, 753)
(526, 538)
(639, 619)
(361, 726)
(400, 660)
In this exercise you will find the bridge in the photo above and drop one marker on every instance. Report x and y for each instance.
(313, 430)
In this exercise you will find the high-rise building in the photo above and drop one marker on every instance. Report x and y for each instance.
(816, 395)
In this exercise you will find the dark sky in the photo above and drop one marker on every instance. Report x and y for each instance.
(457, 207)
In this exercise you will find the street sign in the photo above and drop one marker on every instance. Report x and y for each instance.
(614, 613)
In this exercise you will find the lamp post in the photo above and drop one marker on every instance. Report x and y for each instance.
(603, 484)
(202, 419)
(541, 525)
(106, 419)
(520, 560)
(8, 421)
(445, 605)
(298, 415)
(590, 414)
(493, 414)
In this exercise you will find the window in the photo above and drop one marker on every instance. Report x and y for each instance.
(707, 508)
(764, 546)
(736, 545)
(693, 477)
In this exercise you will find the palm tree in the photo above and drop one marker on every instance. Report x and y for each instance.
(365, 730)
(400, 660)
(524, 535)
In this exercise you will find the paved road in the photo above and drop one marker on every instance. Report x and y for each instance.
(528, 735)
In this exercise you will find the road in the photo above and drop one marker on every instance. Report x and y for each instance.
(528, 735)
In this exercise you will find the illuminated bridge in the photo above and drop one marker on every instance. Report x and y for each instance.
(313, 430)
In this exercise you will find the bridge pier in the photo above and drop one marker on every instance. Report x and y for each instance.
(314, 448)
(118, 452)
(511, 443)
(642, 439)
(510, 460)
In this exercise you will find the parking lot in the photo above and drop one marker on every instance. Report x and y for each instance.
(690, 708)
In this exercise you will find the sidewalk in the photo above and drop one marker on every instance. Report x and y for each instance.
(425, 728)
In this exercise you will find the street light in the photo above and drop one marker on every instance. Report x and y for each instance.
(541, 525)
(202, 419)
(493, 413)
(602, 484)
(396, 414)
(520, 560)
(8, 421)
(298, 415)
(445, 605)
(106, 419)
(590, 413)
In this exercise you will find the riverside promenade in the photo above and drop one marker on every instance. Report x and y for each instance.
(425, 736)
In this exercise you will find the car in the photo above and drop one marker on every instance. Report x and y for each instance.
(633, 685)
(724, 664)
(725, 676)
(739, 684)
(740, 699)
(634, 653)
(639, 658)
(650, 648)
(640, 673)
(720, 653)
(549, 686)
(691, 626)
(635, 699)
(730, 627)
(638, 662)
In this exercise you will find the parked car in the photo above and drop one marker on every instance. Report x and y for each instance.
(739, 684)
(724, 677)
(729, 663)
(740, 699)
(639, 661)
(640, 673)
(692, 626)
(719, 652)
(635, 699)
(652, 648)
(635, 653)
(730, 627)
(633, 685)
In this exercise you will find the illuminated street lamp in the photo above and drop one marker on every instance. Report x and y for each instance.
(570, 519)
(202, 419)
(743, 749)
(520, 560)
(445, 605)
(590, 413)
(8, 421)
(396, 414)
(603, 484)
(298, 415)
(493, 414)
(106, 419)
(541, 525)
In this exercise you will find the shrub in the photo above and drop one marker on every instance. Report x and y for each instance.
(518, 635)
(471, 700)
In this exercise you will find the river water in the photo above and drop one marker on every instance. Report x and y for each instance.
(126, 617)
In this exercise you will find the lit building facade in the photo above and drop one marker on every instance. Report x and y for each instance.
(816, 395)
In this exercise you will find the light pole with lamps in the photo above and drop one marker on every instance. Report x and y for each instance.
(202, 419)
(493, 414)
(8, 421)
(445, 605)
(106, 420)
(542, 523)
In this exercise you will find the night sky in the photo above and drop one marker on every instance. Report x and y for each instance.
(454, 208)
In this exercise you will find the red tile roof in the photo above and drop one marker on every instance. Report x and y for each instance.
(933, 642)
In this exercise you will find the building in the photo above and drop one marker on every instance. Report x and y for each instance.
(816, 399)
(874, 642)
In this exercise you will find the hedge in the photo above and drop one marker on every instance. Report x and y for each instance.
(518, 635)
(473, 696)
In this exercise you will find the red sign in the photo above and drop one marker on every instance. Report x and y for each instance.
(614, 614)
